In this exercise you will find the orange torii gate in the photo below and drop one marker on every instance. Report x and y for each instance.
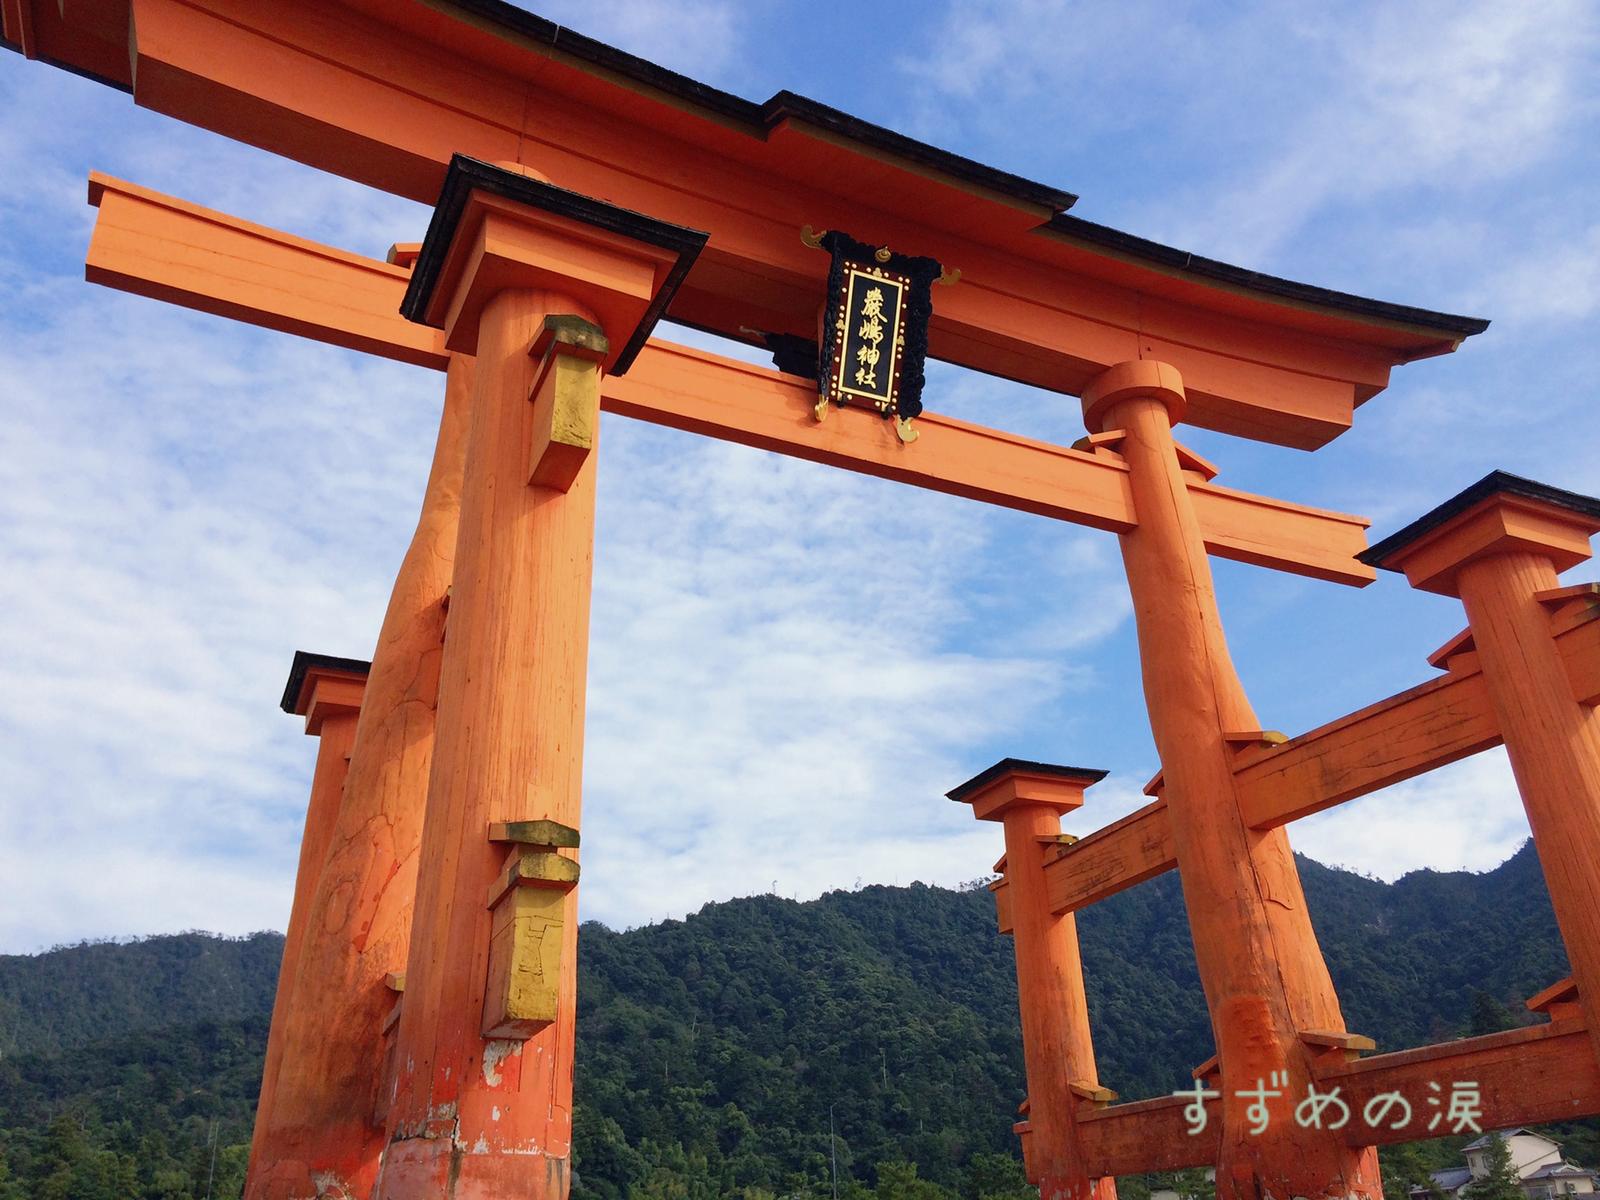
(422, 1045)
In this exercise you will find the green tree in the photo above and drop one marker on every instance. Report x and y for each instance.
(996, 1177)
(1499, 1180)
(1405, 1169)
(898, 1181)
(1488, 1015)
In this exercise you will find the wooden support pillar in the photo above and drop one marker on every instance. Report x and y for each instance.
(1498, 546)
(327, 692)
(1261, 970)
(548, 290)
(320, 1133)
(1028, 799)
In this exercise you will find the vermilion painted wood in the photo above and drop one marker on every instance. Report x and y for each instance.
(321, 1123)
(386, 98)
(335, 726)
(1399, 738)
(477, 1118)
(1055, 1015)
(1258, 959)
(1501, 557)
(158, 246)
(1057, 1045)
(1525, 1077)
(1111, 859)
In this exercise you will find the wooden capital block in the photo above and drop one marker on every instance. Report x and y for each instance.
(543, 833)
(566, 416)
(534, 869)
(525, 944)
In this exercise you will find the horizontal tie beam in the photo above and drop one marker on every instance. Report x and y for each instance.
(1523, 1077)
(158, 246)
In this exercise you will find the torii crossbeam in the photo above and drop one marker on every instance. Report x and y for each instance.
(422, 1046)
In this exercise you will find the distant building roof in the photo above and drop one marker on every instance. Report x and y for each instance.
(1449, 1179)
(1563, 1170)
(1506, 1133)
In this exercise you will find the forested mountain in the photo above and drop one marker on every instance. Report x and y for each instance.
(711, 1050)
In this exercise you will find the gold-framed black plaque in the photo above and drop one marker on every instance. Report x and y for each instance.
(874, 335)
(869, 339)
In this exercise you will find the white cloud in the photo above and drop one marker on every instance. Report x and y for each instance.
(1464, 816)
(184, 504)
(1433, 96)
(776, 685)
(1556, 281)
(790, 665)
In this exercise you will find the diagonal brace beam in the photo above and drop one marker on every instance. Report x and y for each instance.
(1418, 730)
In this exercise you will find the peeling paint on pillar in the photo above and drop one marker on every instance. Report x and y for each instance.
(494, 1053)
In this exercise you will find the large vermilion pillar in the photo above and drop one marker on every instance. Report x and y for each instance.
(1498, 546)
(327, 692)
(322, 1133)
(1261, 971)
(1028, 798)
(548, 289)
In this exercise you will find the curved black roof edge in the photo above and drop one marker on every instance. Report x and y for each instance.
(467, 174)
(304, 661)
(764, 116)
(1257, 281)
(1495, 483)
(1006, 765)
(792, 104)
(785, 104)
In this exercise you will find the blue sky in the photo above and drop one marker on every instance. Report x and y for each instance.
(184, 502)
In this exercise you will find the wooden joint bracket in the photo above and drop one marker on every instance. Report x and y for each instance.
(564, 333)
(1570, 606)
(404, 254)
(1559, 597)
(566, 400)
(1245, 739)
(1157, 782)
(1188, 460)
(534, 869)
(1442, 658)
(1336, 1045)
(549, 835)
(1103, 444)
(1096, 1095)
(1559, 1001)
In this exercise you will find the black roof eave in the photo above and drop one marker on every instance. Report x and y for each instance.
(1493, 484)
(303, 663)
(1188, 263)
(466, 175)
(1006, 765)
(764, 116)
(785, 104)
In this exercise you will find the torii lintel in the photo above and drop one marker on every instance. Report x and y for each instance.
(385, 92)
